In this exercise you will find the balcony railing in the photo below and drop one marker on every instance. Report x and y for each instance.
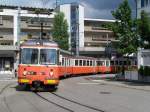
(8, 47)
(96, 29)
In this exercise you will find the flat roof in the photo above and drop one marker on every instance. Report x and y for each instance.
(99, 20)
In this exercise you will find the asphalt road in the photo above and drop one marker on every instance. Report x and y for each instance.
(78, 94)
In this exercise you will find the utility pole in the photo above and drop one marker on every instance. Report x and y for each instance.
(17, 31)
(57, 3)
(77, 31)
(41, 37)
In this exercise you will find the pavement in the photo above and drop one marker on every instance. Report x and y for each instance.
(6, 76)
(109, 80)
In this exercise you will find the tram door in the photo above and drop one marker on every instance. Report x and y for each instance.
(6, 63)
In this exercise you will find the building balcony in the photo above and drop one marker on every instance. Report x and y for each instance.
(96, 29)
(99, 39)
(6, 24)
(94, 49)
(35, 26)
(6, 37)
(8, 48)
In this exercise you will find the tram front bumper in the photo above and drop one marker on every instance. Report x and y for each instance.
(45, 82)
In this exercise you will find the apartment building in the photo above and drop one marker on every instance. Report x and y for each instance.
(87, 35)
(97, 39)
(143, 5)
(15, 26)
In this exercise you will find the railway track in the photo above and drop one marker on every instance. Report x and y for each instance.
(75, 102)
(4, 97)
(69, 100)
(5, 87)
(60, 106)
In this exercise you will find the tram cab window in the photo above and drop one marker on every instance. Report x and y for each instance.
(76, 62)
(29, 56)
(80, 62)
(48, 56)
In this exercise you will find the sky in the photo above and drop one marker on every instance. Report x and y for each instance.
(96, 9)
(102, 8)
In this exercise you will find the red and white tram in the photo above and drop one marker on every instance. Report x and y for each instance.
(43, 63)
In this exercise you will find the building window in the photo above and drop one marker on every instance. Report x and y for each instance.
(145, 3)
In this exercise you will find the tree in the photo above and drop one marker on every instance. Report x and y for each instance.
(143, 26)
(60, 31)
(124, 29)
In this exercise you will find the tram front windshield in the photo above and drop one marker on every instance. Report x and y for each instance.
(48, 56)
(32, 56)
(29, 56)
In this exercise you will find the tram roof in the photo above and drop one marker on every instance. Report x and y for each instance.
(38, 42)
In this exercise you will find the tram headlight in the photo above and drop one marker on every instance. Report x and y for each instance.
(25, 73)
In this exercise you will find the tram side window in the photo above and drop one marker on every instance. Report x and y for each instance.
(90, 63)
(116, 62)
(63, 62)
(135, 63)
(107, 63)
(76, 62)
(66, 62)
(69, 62)
(58, 54)
(125, 63)
(94, 64)
(112, 62)
(84, 62)
(80, 62)
(129, 62)
(102, 63)
(87, 63)
(120, 63)
(97, 63)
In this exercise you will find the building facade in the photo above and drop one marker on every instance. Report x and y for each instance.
(143, 5)
(86, 35)
(16, 26)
